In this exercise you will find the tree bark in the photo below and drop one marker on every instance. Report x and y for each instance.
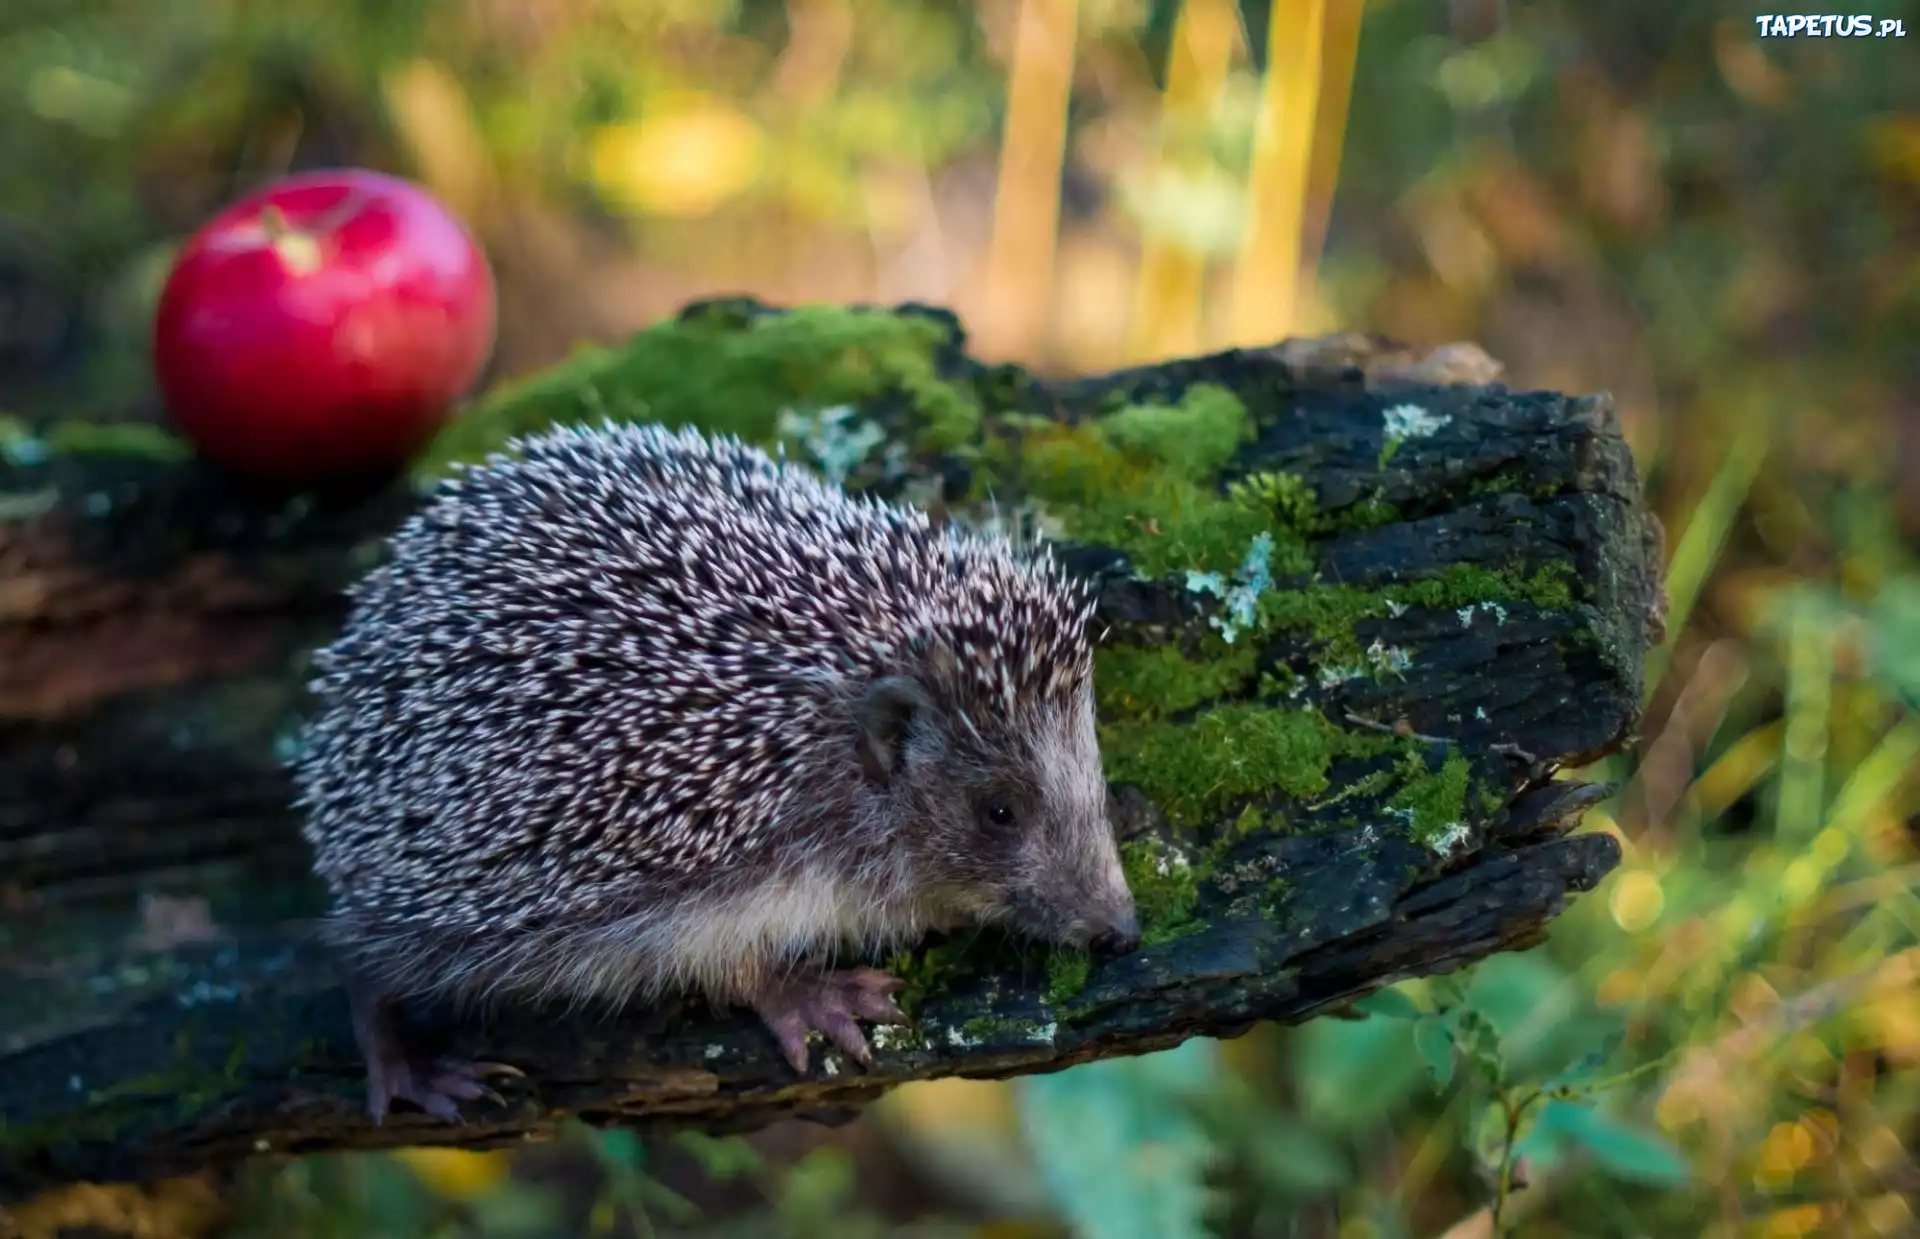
(161, 1009)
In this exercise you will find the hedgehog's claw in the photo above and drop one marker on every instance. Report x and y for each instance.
(831, 1005)
(449, 1081)
(395, 1073)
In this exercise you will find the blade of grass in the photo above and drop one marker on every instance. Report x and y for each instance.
(1699, 547)
(1026, 208)
(1340, 50)
(1266, 280)
(1206, 35)
(1798, 812)
(1877, 777)
(1735, 772)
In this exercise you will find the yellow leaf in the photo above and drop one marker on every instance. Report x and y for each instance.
(954, 1104)
(1891, 1214)
(459, 1174)
(686, 158)
(1797, 1221)
(1894, 142)
(1890, 1023)
(1636, 900)
(1788, 1147)
(1620, 987)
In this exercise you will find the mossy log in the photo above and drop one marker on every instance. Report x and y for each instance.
(1359, 613)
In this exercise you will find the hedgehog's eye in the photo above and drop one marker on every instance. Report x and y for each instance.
(998, 811)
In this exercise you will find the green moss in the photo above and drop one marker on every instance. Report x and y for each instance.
(1328, 613)
(1365, 785)
(1253, 820)
(1196, 772)
(1192, 439)
(1550, 588)
(994, 1027)
(1149, 682)
(1140, 480)
(1170, 526)
(1370, 513)
(1286, 495)
(20, 445)
(1165, 886)
(1066, 974)
(733, 374)
(1434, 802)
(117, 438)
(925, 971)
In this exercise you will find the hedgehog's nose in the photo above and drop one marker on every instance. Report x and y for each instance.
(1119, 937)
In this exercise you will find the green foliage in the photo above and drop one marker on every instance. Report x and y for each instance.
(626, 1189)
(20, 445)
(1543, 1119)
(1566, 1127)
(1390, 1003)
(1892, 620)
(1434, 1040)
(817, 1199)
(1119, 1152)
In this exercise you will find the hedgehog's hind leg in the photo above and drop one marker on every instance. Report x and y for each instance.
(396, 1072)
(830, 1003)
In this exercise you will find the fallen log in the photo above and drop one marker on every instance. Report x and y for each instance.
(1361, 607)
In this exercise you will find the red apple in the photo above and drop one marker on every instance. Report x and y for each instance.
(323, 327)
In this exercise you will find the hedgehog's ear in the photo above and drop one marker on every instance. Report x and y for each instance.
(886, 715)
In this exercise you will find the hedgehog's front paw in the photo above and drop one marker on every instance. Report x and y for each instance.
(830, 1004)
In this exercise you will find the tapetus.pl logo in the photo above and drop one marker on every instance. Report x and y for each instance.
(1829, 26)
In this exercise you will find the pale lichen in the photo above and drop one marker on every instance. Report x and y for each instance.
(1242, 598)
(835, 439)
(1408, 421)
(1411, 421)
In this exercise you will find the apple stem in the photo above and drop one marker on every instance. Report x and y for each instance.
(298, 248)
(274, 223)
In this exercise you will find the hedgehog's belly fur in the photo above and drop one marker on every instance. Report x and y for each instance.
(725, 942)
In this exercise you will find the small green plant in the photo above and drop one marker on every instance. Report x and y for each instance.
(1527, 1115)
(626, 1188)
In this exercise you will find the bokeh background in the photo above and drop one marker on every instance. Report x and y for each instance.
(1642, 196)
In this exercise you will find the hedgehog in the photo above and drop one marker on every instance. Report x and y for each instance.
(628, 711)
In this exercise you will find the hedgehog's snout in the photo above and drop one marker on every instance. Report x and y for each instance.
(1105, 922)
(1120, 936)
(1114, 934)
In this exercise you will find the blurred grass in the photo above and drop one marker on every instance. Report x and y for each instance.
(1639, 196)
(1267, 272)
